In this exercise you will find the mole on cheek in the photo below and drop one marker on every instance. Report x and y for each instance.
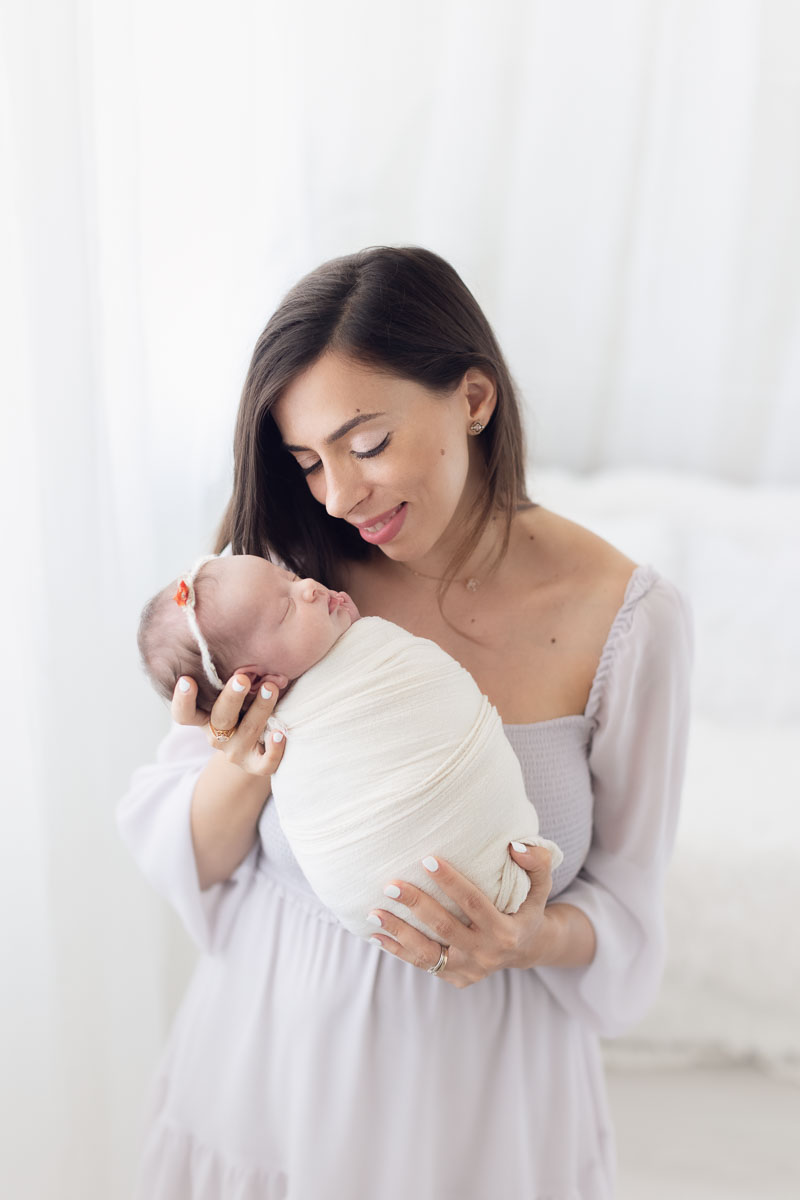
(441, 451)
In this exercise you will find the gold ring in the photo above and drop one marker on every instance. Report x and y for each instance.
(221, 735)
(442, 963)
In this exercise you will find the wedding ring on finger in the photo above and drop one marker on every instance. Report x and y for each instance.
(221, 735)
(442, 963)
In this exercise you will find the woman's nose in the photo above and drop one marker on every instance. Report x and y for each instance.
(344, 490)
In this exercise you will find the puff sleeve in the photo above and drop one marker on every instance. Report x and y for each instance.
(639, 708)
(153, 819)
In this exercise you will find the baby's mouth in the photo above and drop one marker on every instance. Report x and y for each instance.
(342, 600)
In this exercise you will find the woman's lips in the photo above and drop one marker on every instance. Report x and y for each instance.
(385, 527)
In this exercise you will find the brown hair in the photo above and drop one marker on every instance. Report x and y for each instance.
(404, 311)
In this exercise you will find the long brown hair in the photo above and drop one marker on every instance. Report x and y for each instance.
(401, 310)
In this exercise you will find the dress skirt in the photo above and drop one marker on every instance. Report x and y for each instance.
(308, 1064)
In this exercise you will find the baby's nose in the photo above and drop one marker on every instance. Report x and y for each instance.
(311, 590)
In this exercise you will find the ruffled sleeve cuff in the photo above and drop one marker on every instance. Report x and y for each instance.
(153, 819)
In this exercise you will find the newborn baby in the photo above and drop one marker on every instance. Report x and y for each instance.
(392, 752)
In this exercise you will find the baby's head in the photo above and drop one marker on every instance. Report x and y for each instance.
(250, 616)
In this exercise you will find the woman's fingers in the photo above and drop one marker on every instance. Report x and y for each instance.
(239, 740)
(404, 941)
(421, 950)
(257, 751)
(254, 721)
(476, 907)
(226, 710)
(249, 746)
(470, 942)
(184, 711)
(538, 862)
(264, 758)
(446, 927)
(489, 941)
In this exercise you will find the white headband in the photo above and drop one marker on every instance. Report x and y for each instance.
(185, 598)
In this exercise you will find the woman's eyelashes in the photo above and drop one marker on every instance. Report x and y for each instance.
(375, 449)
(356, 454)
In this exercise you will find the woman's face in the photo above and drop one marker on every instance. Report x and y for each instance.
(386, 454)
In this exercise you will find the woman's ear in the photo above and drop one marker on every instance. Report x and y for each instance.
(481, 394)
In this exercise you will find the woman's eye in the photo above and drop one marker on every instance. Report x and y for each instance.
(375, 450)
(356, 454)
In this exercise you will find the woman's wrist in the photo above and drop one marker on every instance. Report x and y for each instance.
(567, 938)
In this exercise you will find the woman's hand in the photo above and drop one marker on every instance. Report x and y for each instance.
(238, 740)
(491, 941)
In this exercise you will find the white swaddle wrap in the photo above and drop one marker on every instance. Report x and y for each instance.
(392, 753)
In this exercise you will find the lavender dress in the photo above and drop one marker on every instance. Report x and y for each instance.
(306, 1063)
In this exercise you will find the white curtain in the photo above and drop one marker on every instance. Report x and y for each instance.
(617, 182)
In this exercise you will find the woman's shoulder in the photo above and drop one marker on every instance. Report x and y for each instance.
(574, 559)
(601, 586)
(621, 612)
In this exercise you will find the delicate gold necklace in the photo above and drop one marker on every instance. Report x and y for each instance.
(471, 583)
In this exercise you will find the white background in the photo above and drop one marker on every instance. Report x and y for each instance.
(617, 182)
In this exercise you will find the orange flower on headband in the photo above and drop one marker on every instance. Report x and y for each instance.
(182, 595)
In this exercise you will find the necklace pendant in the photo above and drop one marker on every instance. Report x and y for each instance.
(472, 584)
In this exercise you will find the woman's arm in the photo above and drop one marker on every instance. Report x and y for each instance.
(226, 806)
(637, 762)
(233, 788)
(192, 827)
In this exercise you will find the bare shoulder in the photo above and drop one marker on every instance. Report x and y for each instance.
(570, 557)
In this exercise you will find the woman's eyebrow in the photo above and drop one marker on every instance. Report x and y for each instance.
(341, 431)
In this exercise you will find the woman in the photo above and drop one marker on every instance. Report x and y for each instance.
(379, 449)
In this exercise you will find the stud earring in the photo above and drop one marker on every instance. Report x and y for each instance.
(476, 428)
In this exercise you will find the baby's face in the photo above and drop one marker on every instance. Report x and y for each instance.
(277, 622)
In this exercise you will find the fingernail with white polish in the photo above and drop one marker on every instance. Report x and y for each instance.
(183, 684)
(430, 863)
(277, 736)
(266, 694)
(377, 942)
(374, 919)
(237, 686)
(519, 846)
(391, 890)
